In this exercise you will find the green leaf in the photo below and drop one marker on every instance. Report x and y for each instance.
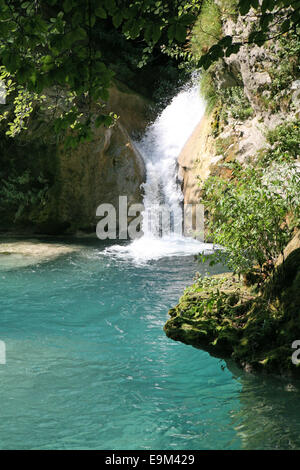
(233, 49)
(265, 20)
(76, 18)
(156, 32)
(285, 25)
(92, 20)
(117, 19)
(180, 32)
(110, 6)
(295, 17)
(135, 29)
(216, 51)
(67, 5)
(260, 38)
(205, 61)
(267, 5)
(79, 34)
(257, 37)
(99, 120)
(100, 12)
(244, 7)
(171, 31)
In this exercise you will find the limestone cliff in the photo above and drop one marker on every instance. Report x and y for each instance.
(256, 330)
(102, 170)
(195, 159)
(255, 91)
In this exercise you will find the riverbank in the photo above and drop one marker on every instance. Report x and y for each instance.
(255, 328)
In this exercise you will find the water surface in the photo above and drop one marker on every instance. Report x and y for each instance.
(89, 366)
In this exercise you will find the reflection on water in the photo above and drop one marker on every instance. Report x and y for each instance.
(269, 413)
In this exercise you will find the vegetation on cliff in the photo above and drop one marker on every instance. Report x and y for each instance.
(252, 194)
(273, 19)
(248, 214)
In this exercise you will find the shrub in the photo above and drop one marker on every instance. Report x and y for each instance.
(22, 193)
(247, 215)
(208, 89)
(236, 103)
(284, 143)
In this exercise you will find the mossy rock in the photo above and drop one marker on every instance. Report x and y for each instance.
(255, 329)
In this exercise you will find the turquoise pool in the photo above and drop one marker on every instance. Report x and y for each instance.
(89, 366)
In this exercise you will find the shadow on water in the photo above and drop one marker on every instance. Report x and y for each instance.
(269, 412)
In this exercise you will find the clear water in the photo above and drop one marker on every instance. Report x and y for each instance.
(89, 366)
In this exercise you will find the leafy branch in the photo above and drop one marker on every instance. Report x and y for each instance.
(268, 14)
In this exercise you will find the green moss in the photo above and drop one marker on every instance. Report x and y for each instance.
(235, 103)
(224, 317)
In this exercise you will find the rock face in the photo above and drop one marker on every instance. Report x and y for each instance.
(100, 171)
(195, 160)
(254, 325)
(95, 173)
(81, 179)
(293, 245)
(254, 72)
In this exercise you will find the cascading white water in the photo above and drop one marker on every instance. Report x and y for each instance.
(160, 148)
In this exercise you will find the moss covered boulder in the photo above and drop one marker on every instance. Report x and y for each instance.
(230, 320)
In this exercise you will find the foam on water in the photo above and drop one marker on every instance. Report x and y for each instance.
(151, 248)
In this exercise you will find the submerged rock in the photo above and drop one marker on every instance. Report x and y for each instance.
(24, 253)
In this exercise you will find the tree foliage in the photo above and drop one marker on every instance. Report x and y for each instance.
(51, 43)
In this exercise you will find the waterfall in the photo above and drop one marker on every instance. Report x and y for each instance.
(160, 148)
